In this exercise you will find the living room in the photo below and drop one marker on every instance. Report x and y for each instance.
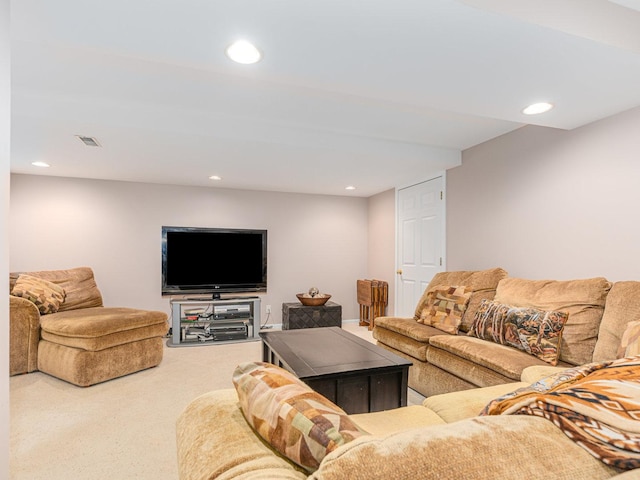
(540, 202)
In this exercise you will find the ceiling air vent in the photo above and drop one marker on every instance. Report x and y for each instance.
(89, 141)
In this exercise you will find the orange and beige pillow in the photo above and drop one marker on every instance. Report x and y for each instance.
(531, 330)
(46, 295)
(298, 422)
(444, 307)
(630, 342)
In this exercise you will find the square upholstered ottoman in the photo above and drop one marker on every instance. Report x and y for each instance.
(296, 315)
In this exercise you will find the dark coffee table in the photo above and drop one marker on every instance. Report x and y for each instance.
(356, 375)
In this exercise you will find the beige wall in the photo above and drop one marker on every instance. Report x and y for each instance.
(545, 203)
(5, 135)
(382, 240)
(115, 227)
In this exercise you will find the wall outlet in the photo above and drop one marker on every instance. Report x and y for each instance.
(267, 309)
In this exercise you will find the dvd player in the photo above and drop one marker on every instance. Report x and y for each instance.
(229, 333)
(222, 309)
(229, 312)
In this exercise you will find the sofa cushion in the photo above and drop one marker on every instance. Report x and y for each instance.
(496, 448)
(45, 295)
(79, 285)
(299, 423)
(398, 342)
(630, 344)
(583, 300)
(528, 329)
(482, 284)
(622, 306)
(444, 307)
(407, 327)
(397, 419)
(455, 406)
(468, 357)
(98, 328)
(535, 373)
(405, 335)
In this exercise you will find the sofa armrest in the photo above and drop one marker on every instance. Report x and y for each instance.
(24, 335)
(215, 441)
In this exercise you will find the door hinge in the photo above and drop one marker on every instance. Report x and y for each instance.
(440, 261)
(441, 195)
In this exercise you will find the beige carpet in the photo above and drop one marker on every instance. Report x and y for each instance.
(124, 428)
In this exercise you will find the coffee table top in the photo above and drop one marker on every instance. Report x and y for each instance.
(313, 352)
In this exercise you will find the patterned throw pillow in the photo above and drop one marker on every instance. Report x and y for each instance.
(46, 295)
(299, 423)
(444, 307)
(630, 342)
(534, 331)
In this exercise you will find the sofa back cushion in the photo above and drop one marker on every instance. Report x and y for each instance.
(583, 300)
(497, 448)
(79, 286)
(481, 283)
(622, 307)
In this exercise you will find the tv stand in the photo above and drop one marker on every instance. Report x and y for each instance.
(202, 321)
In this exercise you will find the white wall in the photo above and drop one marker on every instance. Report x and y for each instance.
(382, 240)
(114, 227)
(545, 203)
(5, 135)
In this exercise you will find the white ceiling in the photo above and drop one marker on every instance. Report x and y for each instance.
(374, 93)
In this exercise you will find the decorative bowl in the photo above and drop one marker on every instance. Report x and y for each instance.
(309, 301)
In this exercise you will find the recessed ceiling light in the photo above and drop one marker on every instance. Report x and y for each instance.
(215, 177)
(537, 108)
(350, 187)
(40, 164)
(243, 52)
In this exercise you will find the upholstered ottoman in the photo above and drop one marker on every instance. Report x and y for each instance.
(91, 345)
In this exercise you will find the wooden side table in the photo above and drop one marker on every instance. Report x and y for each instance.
(295, 315)
(373, 299)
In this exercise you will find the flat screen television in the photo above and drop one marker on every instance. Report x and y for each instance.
(213, 260)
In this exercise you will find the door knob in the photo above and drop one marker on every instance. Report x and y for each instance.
(399, 271)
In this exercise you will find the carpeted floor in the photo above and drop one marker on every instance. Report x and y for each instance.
(121, 429)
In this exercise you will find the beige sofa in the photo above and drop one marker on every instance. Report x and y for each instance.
(441, 439)
(83, 342)
(599, 312)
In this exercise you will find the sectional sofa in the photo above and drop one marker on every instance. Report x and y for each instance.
(58, 325)
(447, 359)
(274, 427)
(522, 378)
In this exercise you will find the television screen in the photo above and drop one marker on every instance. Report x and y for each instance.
(213, 260)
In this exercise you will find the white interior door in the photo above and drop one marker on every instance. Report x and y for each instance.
(420, 241)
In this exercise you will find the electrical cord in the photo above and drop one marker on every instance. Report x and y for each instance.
(264, 325)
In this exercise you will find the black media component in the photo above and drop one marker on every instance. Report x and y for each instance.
(213, 260)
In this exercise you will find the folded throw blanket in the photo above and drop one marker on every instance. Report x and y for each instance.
(596, 405)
